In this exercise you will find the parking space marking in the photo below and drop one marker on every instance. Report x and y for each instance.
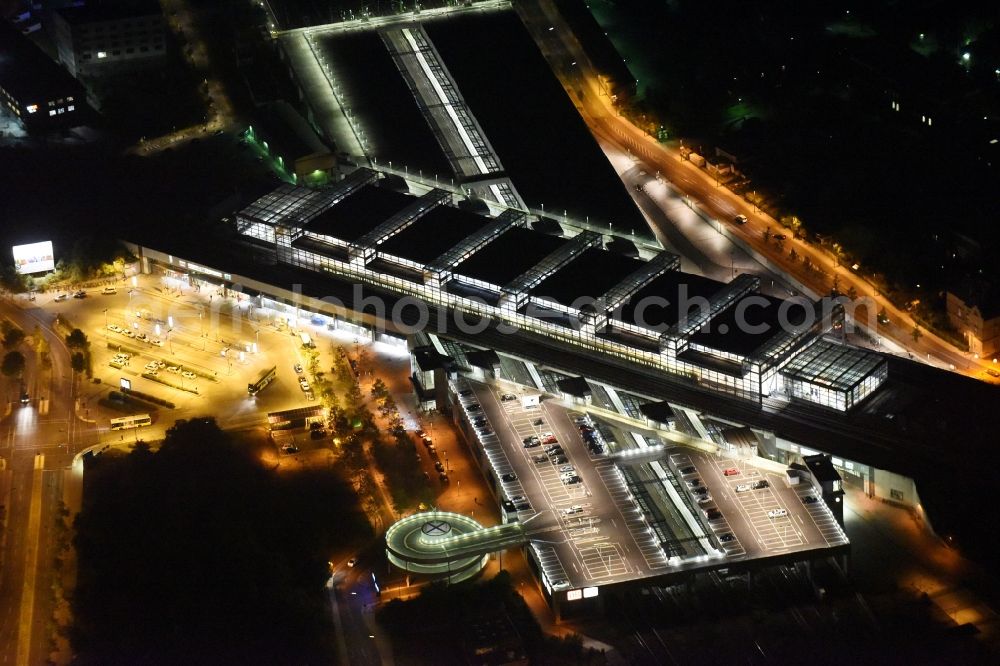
(603, 560)
(635, 522)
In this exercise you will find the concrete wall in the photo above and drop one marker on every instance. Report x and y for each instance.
(895, 488)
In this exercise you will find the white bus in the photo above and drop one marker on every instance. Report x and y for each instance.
(263, 379)
(134, 421)
(306, 340)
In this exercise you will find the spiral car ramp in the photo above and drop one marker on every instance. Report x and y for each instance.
(446, 545)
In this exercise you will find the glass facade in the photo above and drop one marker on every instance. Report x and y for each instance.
(280, 219)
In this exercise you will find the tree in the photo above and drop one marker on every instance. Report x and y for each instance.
(12, 364)
(78, 362)
(379, 389)
(11, 280)
(12, 337)
(170, 515)
(77, 339)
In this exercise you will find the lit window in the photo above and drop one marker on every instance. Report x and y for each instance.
(102, 54)
(32, 108)
(69, 99)
(71, 107)
(52, 112)
(61, 111)
(574, 595)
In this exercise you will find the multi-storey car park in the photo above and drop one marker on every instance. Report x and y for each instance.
(662, 384)
(631, 514)
(615, 505)
(671, 394)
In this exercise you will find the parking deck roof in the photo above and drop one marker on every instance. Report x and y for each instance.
(591, 274)
(635, 513)
(433, 234)
(359, 213)
(507, 257)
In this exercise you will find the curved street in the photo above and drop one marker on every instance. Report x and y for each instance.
(569, 63)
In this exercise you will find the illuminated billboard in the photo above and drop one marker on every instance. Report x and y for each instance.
(34, 258)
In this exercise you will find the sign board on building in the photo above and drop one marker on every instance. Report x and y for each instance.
(34, 258)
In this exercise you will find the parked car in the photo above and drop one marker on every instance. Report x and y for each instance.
(569, 511)
(540, 459)
(687, 470)
(507, 397)
(809, 499)
(559, 460)
(742, 488)
(731, 471)
(740, 219)
(758, 485)
(80, 294)
(777, 513)
(61, 297)
(567, 468)
(726, 538)
(297, 368)
(509, 477)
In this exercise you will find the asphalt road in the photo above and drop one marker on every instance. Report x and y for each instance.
(568, 62)
(48, 426)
